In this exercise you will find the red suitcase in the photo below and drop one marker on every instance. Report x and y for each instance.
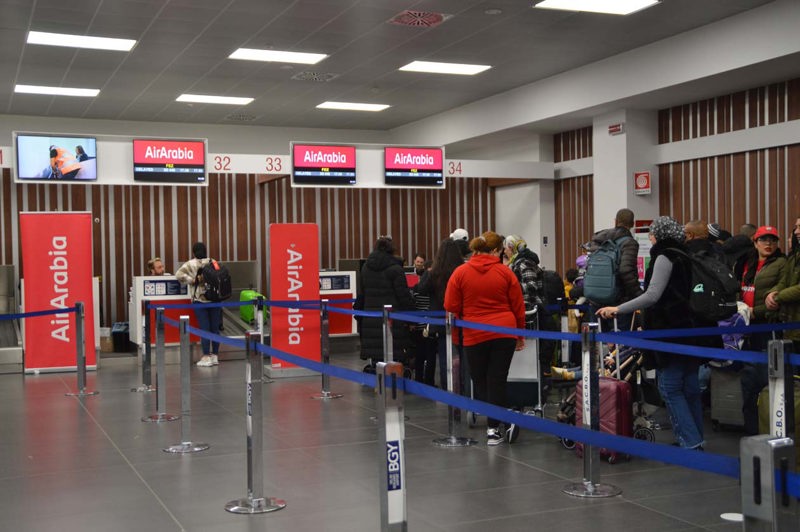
(616, 413)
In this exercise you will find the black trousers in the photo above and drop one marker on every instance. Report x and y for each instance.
(488, 365)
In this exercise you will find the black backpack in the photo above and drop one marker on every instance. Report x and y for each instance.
(553, 287)
(714, 288)
(217, 280)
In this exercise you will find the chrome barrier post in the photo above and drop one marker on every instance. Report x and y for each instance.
(765, 464)
(590, 389)
(454, 415)
(388, 347)
(186, 445)
(161, 375)
(391, 450)
(255, 502)
(80, 352)
(781, 389)
(563, 304)
(147, 385)
(325, 351)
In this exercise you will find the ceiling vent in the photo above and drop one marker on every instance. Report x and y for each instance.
(240, 117)
(419, 19)
(310, 75)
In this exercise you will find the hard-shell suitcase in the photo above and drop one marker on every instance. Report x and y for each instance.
(522, 384)
(726, 398)
(247, 312)
(616, 413)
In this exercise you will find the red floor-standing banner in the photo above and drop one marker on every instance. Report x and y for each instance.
(57, 273)
(294, 276)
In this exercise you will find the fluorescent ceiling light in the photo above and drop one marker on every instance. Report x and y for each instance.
(80, 41)
(346, 106)
(445, 68)
(56, 91)
(611, 7)
(275, 56)
(204, 98)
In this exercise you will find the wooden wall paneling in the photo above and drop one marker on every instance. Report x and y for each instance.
(6, 234)
(557, 148)
(793, 99)
(686, 120)
(240, 208)
(772, 210)
(792, 183)
(702, 112)
(664, 188)
(676, 116)
(677, 190)
(663, 126)
(753, 106)
(773, 103)
(738, 110)
(134, 216)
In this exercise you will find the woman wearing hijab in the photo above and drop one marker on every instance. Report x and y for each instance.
(665, 305)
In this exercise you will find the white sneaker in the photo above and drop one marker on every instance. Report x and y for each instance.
(205, 362)
(214, 360)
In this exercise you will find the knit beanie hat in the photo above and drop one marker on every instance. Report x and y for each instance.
(713, 231)
(665, 227)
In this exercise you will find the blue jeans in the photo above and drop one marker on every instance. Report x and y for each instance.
(679, 386)
(209, 318)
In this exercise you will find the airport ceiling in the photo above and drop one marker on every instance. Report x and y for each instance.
(183, 47)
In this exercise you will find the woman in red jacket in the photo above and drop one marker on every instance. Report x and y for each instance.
(484, 290)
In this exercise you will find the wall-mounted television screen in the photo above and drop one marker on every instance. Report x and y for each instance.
(414, 167)
(169, 161)
(323, 165)
(56, 157)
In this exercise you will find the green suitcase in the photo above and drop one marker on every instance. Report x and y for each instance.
(247, 312)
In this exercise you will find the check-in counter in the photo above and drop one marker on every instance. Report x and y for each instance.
(335, 286)
(157, 289)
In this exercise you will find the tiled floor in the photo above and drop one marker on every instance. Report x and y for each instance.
(69, 464)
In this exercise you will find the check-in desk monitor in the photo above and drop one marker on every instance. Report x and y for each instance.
(157, 289)
(339, 286)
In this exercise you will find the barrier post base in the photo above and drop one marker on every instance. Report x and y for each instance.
(144, 388)
(160, 418)
(327, 395)
(187, 447)
(255, 506)
(82, 393)
(588, 489)
(454, 441)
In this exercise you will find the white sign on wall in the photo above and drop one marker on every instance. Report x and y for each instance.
(240, 163)
(5, 157)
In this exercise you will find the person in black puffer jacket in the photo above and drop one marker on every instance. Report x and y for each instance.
(668, 285)
(383, 282)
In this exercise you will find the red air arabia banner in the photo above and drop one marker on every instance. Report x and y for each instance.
(294, 276)
(57, 269)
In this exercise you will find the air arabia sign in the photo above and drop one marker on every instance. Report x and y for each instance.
(294, 277)
(306, 156)
(147, 151)
(413, 158)
(57, 269)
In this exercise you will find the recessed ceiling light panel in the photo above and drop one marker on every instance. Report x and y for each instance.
(445, 68)
(80, 41)
(206, 98)
(56, 91)
(611, 7)
(276, 56)
(352, 106)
